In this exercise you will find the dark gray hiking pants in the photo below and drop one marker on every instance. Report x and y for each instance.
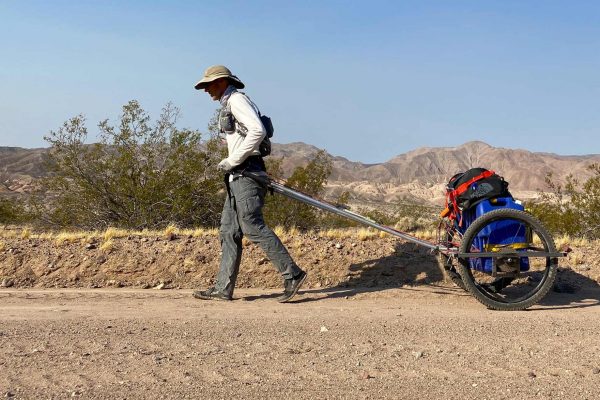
(242, 215)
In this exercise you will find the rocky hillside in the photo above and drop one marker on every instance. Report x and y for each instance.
(19, 168)
(419, 174)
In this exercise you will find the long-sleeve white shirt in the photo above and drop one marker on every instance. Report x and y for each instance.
(240, 144)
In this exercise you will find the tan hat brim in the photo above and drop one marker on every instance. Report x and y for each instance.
(203, 83)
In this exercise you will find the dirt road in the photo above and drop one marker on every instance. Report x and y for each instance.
(413, 342)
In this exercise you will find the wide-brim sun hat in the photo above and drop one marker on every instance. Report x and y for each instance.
(215, 72)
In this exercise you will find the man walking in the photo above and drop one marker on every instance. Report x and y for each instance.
(240, 122)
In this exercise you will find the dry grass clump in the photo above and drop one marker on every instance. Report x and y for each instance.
(171, 229)
(212, 232)
(425, 234)
(286, 235)
(335, 233)
(90, 237)
(198, 232)
(279, 231)
(361, 234)
(2, 246)
(562, 240)
(7, 232)
(69, 237)
(111, 233)
(565, 241)
(364, 234)
(189, 232)
(577, 258)
(572, 242)
(107, 245)
(13, 232)
(193, 232)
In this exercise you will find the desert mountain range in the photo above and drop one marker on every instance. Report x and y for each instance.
(419, 174)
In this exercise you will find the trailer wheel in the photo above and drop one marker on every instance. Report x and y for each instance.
(512, 284)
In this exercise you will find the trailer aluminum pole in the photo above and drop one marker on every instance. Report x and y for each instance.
(286, 191)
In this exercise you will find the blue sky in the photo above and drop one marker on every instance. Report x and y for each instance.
(364, 80)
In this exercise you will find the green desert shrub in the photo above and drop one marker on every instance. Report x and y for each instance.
(571, 208)
(309, 179)
(139, 175)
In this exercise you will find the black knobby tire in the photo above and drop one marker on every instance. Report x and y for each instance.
(450, 271)
(486, 293)
(445, 261)
(456, 279)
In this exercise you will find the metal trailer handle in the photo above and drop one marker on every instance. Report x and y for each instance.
(291, 193)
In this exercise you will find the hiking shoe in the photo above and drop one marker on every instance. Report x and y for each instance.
(291, 287)
(211, 294)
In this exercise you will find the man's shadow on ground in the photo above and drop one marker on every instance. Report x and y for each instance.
(411, 266)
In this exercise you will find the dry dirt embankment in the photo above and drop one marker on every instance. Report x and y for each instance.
(180, 261)
(191, 261)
